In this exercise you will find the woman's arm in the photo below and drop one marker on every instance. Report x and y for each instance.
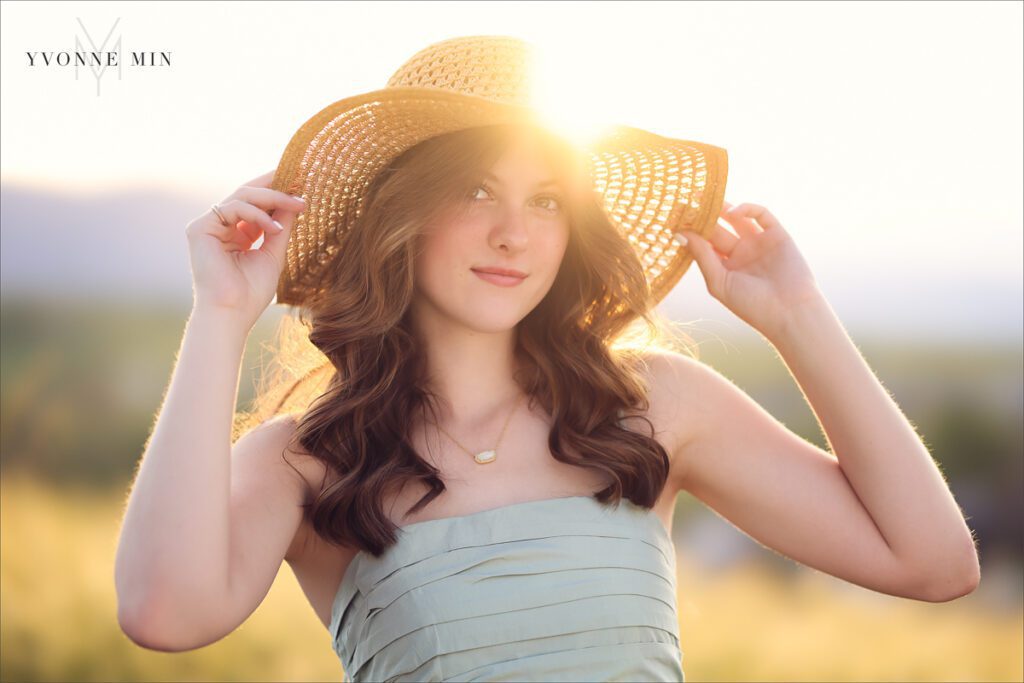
(878, 512)
(174, 538)
(879, 451)
(206, 526)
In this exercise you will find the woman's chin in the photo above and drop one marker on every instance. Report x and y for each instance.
(490, 323)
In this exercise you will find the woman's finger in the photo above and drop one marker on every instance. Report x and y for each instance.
(236, 210)
(746, 214)
(722, 239)
(262, 180)
(740, 222)
(248, 233)
(709, 260)
(240, 237)
(277, 245)
(249, 212)
(268, 199)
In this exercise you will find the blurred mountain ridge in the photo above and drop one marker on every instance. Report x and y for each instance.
(129, 245)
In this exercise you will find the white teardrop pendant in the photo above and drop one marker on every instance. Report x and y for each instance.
(485, 457)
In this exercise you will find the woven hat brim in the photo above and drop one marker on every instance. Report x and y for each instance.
(650, 186)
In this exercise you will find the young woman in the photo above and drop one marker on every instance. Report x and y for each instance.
(473, 469)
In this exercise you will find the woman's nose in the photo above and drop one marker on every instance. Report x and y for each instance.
(512, 228)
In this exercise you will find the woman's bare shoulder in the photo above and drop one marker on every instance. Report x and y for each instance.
(291, 460)
(672, 390)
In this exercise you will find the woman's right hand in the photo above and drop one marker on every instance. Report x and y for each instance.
(226, 274)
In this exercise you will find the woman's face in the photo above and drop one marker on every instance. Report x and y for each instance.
(513, 220)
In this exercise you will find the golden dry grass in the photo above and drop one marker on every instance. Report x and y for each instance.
(58, 618)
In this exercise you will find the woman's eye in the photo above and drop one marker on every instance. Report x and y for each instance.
(557, 202)
(473, 193)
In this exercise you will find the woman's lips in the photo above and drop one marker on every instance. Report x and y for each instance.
(500, 280)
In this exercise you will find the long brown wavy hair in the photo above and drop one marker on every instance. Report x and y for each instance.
(351, 373)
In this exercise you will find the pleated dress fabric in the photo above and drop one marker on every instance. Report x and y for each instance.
(562, 589)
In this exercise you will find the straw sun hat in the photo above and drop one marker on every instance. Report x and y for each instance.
(648, 185)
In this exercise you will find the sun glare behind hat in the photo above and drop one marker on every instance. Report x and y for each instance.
(649, 186)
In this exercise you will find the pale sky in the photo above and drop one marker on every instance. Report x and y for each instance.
(886, 136)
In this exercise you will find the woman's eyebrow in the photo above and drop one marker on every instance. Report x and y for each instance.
(543, 183)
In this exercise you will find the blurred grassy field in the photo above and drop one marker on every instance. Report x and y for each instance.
(58, 617)
(80, 384)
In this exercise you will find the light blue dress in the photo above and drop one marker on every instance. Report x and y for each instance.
(560, 589)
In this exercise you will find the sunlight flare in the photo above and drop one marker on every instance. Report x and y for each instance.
(570, 88)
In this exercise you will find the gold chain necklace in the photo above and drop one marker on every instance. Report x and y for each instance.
(485, 457)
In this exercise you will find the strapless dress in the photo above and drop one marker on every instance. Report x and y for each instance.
(561, 589)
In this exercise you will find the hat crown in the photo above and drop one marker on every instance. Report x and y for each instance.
(495, 67)
(648, 185)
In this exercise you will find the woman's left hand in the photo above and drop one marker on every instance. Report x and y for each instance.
(757, 273)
